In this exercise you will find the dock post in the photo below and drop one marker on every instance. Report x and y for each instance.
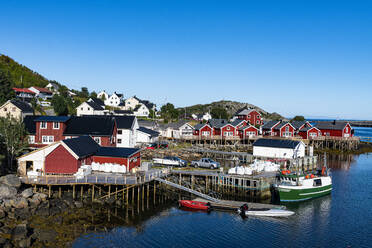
(116, 192)
(73, 191)
(59, 192)
(126, 200)
(50, 191)
(154, 193)
(81, 192)
(92, 192)
(109, 191)
(133, 195)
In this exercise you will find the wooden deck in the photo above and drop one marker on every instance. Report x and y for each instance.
(99, 178)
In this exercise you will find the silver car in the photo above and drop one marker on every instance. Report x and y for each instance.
(206, 163)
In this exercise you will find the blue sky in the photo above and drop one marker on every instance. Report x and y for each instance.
(311, 58)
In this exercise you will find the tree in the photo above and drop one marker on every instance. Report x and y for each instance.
(63, 91)
(152, 114)
(59, 105)
(6, 92)
(93, 94)
(219, 113)
(168, 112)
(84, 92)
(13, 137)
(298, 118)
(103, 97)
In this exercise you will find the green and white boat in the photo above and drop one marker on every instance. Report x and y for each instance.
(294, 187)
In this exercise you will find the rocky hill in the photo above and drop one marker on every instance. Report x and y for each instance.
(231, 107)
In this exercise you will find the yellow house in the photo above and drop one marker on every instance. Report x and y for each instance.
(17, 109)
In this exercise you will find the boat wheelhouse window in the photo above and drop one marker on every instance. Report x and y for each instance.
(317, 182)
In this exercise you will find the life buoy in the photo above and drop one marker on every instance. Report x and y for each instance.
(307, 177)
(312, 176)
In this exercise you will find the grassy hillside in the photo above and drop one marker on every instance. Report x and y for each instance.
(231, 107)
(20, 75)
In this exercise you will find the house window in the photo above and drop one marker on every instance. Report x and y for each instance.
(120, 132)
(55, 125)
(249, 116)
(47, 139)
(228, 134)
(5, 109)
(228, 128)
(43, 125)
(346, 129)
(81, 109)
(13, 109)
(31, 139)
(258, 116)
(119, 141)
(98, 140)
(205, 133)
(258, 122)
(88, 108)
(287, 129)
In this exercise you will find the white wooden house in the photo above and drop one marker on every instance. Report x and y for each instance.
(277, 148)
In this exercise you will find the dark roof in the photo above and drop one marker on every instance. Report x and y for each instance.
(217, 123)
(118, 94)
(305, 129)
(152, 133)
(276, 143)
(118, 111)
(25, 107)
(236, 122)
(176, 125)
(53, 118)
(244, 111)
(29, 122)
(90, 125)
(117, 152)
(82, 146)
(95, 106)
(146, 123)
(269, 125)
(332, 125)
(124, 122)
(200, 125)
(248, 126)
(282, 124)
(97, 101)
(298, 124)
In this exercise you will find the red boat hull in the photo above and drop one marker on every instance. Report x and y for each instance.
(194, 204)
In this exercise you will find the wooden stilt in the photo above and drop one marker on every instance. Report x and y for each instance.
(81, 192)
(73, 191)
(50, 191)
(92, 192)
(60, 192)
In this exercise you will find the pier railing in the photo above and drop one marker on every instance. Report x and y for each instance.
(98, 178)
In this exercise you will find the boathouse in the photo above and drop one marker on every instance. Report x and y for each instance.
(309, 133)
(335, 128)
(248, 132)
(252, 116)
(66, 157)
(277, 148)
(203, 130)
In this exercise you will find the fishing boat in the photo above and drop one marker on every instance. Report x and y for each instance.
(265, 212)
(194, 204)
(296, 186)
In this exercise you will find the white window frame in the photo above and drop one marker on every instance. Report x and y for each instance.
(98, 140)
(119, 141)
(206, 133)
(228, 134)
(42, 126)
(31, 139)
(54, 125)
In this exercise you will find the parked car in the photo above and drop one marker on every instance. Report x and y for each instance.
(152, 146)
(206, 163)
(171, 161)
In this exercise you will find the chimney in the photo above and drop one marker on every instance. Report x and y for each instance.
(334, 122)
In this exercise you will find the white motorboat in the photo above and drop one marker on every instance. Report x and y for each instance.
(267, 212)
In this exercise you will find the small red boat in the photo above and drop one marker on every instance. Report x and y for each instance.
(194, 204)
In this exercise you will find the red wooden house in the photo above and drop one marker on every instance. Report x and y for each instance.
(268, 128)
(44, 130)
(335, 128)
(67, 156)
(203, 130)
(252, 116)
(309, 133)
(284, 129)
(248, 132)
(130, 157)
(298, 125)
